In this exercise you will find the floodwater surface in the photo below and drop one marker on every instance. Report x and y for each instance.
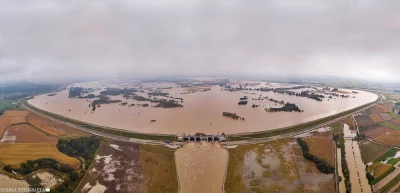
(359, 182)
(201, 167)
(202, 111)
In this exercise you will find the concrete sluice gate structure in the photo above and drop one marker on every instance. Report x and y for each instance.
(201, 137)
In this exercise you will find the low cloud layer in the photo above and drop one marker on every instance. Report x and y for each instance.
(61, 40)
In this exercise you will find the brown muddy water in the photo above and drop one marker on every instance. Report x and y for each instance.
(202, 111)
(359, 182)
(201, 167)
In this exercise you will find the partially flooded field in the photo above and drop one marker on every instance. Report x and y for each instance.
(48, 179)
(201, 167)
(131, 168)
(203, 104)
(277, 166)
(117, 168)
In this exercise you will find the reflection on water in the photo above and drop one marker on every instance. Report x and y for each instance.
(356, 166)
(202, 111)
(201, 167)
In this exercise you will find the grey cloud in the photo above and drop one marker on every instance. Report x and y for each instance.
(75, 39)
(9, 66)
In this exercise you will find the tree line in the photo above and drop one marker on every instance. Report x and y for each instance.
(288, 107)
(84, 147)
(321, 164)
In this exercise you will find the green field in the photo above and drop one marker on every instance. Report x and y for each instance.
(364, 129)
(390, 125)
(7, 104)
(390, 185)
(392, 115)
(336, 128)
(386, 155)
(393, 161)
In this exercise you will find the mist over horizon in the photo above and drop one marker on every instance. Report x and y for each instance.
(47, 41)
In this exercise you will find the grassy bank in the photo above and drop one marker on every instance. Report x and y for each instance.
(281, 131)
(159, 171)
(234, 177)
(112, 131)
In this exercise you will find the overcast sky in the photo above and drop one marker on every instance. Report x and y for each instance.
(58, 40)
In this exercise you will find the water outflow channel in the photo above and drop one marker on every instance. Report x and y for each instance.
(201, 167)
(359, 182)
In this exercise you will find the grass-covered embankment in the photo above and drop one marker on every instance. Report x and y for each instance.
(158, 166)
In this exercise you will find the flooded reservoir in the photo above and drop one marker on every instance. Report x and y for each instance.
(202, 109)
(356, 166)
(201, 167)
